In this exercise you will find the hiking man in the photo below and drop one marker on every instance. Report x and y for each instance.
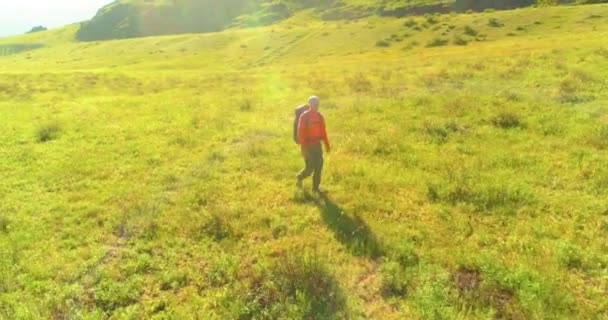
(310, 133)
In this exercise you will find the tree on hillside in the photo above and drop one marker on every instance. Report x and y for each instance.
(38, 29)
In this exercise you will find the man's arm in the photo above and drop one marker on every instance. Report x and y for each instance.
(325, 139)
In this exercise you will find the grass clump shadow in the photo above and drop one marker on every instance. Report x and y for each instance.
(47, 132)
(382, 44)
(507, 120)
(295, 286)
(110, 295)
(431, 19)
(215, 227)
(410, 23)
(470, 31)
(495, 23)
(440, 133)
(459, 41)
(246, 105)
(437, 42)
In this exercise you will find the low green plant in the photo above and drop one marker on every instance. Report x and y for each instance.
(507, 120)
(394, 279)
(47, 132)
(383, 44)
(459, 41)
(437, 42)
(470, 31)
(297, 286)
(495, 23)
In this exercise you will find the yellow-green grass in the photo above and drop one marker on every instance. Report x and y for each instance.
(155, 177)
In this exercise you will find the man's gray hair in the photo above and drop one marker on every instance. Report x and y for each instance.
(313, 101)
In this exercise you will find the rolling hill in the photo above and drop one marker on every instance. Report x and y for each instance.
(154, 177)
(140, 18)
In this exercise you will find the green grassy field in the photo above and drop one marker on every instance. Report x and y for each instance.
(155, 177)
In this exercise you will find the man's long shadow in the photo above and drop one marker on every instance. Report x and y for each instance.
(351, 231)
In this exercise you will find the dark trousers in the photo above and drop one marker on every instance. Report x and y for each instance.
(313, 158)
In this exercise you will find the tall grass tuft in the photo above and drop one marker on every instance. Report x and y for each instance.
(437, 42)
(507, 120)
(47, 132)
(295, 286)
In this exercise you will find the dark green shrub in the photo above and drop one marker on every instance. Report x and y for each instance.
(507, 120)
(393, 279)
(405, 254)
(110, 295)
(246, 105)
(410, 23)
(382, 43)
(48, 132)
(459, 41)
(173, 280)
(216, 228)
(279, 227)
(437, 42)
(222, 271)
(440, 133)
(468, 30)
(493, 22)
(297, 286)
(569, 89)
(569, 255)
(431, 19)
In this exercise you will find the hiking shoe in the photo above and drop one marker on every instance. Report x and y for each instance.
(316, 191)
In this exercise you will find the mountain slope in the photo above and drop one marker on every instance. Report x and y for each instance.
(138, 18)
(134, 18)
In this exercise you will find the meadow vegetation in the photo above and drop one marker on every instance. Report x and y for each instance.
(155, 177)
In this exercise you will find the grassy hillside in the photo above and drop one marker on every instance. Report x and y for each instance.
(139, 18)
(155, 177)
